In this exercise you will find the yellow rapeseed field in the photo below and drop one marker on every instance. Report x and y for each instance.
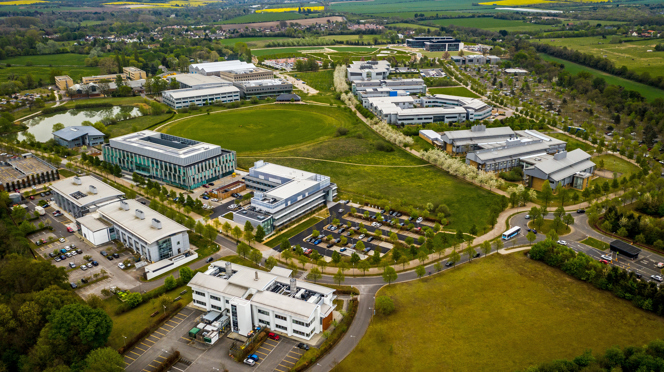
(21, 2)
(283, 10)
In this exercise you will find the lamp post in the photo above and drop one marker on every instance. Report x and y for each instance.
(125, 340)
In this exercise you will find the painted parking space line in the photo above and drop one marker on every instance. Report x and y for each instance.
(287, 368)
(136, 347)
(132, 351)
(287, 361)
(162, 335)
(288, 356)
(281, 370)
(129, 357)
(260, 352)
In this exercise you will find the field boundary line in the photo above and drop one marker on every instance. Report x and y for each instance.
(339, 162)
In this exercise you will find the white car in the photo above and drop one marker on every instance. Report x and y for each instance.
(656, 277)
(562, 242)
(67, 248)
(420, 219)
(250, 362)
(73, 253)
(361, 237)
(660, 265)
(121, 265)
(61, 240)
(607, 257)
(527, 216)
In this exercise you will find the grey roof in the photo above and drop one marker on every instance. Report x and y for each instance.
(288, 97)
(93, 222)
(81, 195)
(488, 132)
(193, 92)
(509, 152)
(561, 168)
(199, 79)
(71, 133)
(566, 172)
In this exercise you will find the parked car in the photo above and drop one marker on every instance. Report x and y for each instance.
(95, 263)
(116, 255)
(110, 258)
(605, 262)
(419, 220)
(57, 259)
(361, 237)
(308, 251)
(73, 285)
(72, 265)
(660, 265)
(254, 357)
(79, 251)
(562, 242)
(69, 229)
(477, 254)
(247, 361)
(330, 245)
(342, 230)
(534, 231)
(273, 336)
(38, 243)
(370, 239)
(63, 257)
(210, 259)
(84, 267)
(103, 253)
(343, 249)
(367, 249)
(84, 281)
(657, 277)
(89, 265)
(61, 240)
(68, 254)
(580, 211)
(303, 346)
(527, 216)
(121, 265)
(449, 263)
(607, 257)
(317, 241)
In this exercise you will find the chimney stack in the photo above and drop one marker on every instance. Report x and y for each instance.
(293, 285)
(140, 214)
(156, 223)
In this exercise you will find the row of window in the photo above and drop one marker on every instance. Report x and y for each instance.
(302, 323)
(199, 293)
(302, 333)
(199, 302)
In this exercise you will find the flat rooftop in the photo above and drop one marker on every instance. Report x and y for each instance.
(198, 79)
(9, 174)
(93, 222)
(80, 193)
(143, 228)
(190, 92)
(30, 165)
(262, 83)
(286, 172)
(291, 188)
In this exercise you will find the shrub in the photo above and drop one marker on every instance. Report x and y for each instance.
(341, 131)
(384, 146)
(384, 305)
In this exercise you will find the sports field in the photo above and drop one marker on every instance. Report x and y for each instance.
(492, 24)
(632, 53)
(263, 128)
(499, 313)
(645, 90)
(454, 91)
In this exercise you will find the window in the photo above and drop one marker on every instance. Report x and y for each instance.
(263, 312)
(281, 327)
(200, 293)
(299, 333)
(280, 317)
(261, 321)
(298, 322)
(200, 302)
(216, 307)
(215, 298)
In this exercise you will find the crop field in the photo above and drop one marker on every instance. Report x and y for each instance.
(319, 8)
(498, 313)
(646, 90)
(65, 59)
(413, 26)
(44, 73)
(409, 15)
(263, 17)
(395, 6)
(492, 24)
(454, 91)
(632, 53)
(263, 128)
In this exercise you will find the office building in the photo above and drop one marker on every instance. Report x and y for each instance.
(145, 231)
(200, 96)
(254, 298)
(435, 43)
(233, 71)
(263, 88)
(369, 70)
(412, 86)
(199, 81)
(64, 82)
(79, 196)
(516, 71)
(283, 194)
(475, 60)
(97, 78)
(77, 136)
(134, 73)
(569, 169)
(460, 142)
(431, 137)
(19, 172)
(476, 109)
(176, 161)
(409, 110)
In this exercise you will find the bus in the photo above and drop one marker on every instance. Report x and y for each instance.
(509, 234)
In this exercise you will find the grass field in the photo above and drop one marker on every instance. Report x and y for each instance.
(404, 6)
(492, 24)
(595, 243)
(573, 143)
(135, 125)
(320, 80)
(263, 128)
(412, 25)
(455, 91)
(44, 73)
(264, 17)
(633, 53)
(65, 59)
(615, 164)
(499, 313)
(645, 90)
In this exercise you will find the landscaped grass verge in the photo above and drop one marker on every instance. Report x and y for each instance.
(275, 241)
(66, 173)
(595, 243)
(548, 226)
(242, 261)
(615, 164)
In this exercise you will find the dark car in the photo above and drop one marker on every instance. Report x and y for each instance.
(581, 211)
(38, 243)
(477, 254)
(63, 257)
(210, 259)
(370, 239)
(110, 258)
(42, 194)
(143, 202)
(51, 254)
(84, 280)
(73, 285)
(303, 346)
(95, 263)
(330, 245)
(534, 231)
(79, 251)
(449, 263)
(116, 255)
(103, 253)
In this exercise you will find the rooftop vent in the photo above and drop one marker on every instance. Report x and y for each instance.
(561, 155)
(228, 268)
(124, 205)
(293, 285)
(93, 189)
(77, 181)
(140, 214)
(156, 224)
(256, 276)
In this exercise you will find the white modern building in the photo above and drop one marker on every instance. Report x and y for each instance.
(475, 60)
(409, 110)
(435, 43)
(147, 232)
(413, 86)
(232, 71)
(177, 161)
(199, 81)
(79, 196)
(282, 194)
(254, 298)
(368, 70)
(263, 88)
(200, 96)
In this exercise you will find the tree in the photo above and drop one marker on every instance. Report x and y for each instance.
(270, 263)
(58, 126)
(226, 227)
(170, 283)
(248, 227)
(568, 219)
(243, 250)
(260, 234)
(531, 237)
(486, 247)
(186, 274)
(249, 237)
(256, 256)
(339, 277)
(384, 305)
(547, 194)
(389, 275)
(364, 266)
(454, 257)
(562, 193)
(285, 245)
(303, 260)
(314, 274)
(134, 299)
(336, 257)
(499, 244)
(420, 271)
(315, 234)
(470, 251)
(76, 329)
(104, 360)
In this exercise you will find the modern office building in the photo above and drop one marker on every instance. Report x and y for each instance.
(409, 110)
(64, 82)
(148, 233)
(79, 196)
(18, 172)
(475, 60)
(134, 73)
(283, 194)
(254, 298)
(460, 142)
(77, 136)
(97, 78)
(516, 71)
(233, 71)
(369, 70)
(200, 96)
(176, 161)
(199, 81)
(412, 86)
(476, 109)
(435, 43)
(431, 137)
(569, 169)
(263, 88)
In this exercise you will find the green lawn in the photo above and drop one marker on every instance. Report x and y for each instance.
(413, 26)
(43, 73)
(615, 164)
(595, 243)
(632, 53)
(251, 41)
(573, 143)
(420, 144)
(548, 226)
(646, 90)
(242, 261)
(454, 91)
(263, 128)
(124, 101)
(320, 80)
(136, 124)
(499, 313)
(276, 240)
(264, 17)
(492, 24)
(65, 59)
(403, 6)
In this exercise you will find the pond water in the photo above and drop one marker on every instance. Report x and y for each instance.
(42, 126)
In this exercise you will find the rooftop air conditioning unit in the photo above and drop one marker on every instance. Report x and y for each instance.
(156, 224)
(140, 214)
(93, 189)
(124, 205)
(77, 181)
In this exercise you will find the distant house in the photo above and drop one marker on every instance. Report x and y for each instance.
(77, 136)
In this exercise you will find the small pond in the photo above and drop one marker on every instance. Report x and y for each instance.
(42, 126)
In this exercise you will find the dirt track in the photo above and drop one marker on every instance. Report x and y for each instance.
(305, 22)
